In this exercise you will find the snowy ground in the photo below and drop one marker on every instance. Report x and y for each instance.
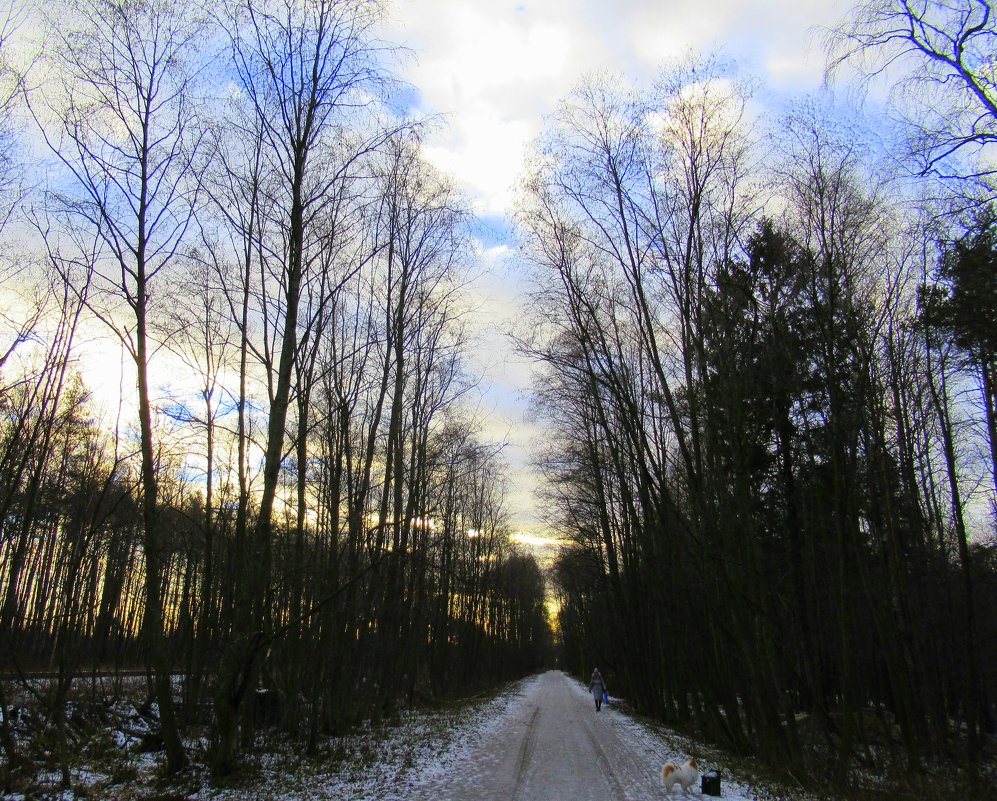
(542, 740)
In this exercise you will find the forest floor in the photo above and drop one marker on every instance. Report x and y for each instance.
(540, 739)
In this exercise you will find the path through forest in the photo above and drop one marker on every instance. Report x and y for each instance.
(554, 746)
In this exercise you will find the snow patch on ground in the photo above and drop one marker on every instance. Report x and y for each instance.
(397, 765)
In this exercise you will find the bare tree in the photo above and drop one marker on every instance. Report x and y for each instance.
(199, 331)
(126, 135)
(12, 84)
(16, 324)
(305, 67)
(32, 406)
(940, 57)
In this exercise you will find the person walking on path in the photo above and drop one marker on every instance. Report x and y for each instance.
(597, 686)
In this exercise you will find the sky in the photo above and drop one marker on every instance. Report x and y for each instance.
(493, 69)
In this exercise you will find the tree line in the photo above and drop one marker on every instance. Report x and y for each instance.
(769, 365)
(305, 505)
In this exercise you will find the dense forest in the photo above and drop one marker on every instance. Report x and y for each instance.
(308, 519)
(772, 374)
(766, 350)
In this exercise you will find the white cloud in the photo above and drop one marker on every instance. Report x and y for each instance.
(497, 296)
(496, 68)
(483, 49)
(486, 152)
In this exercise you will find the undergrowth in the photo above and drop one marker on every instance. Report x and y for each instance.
(891, 780)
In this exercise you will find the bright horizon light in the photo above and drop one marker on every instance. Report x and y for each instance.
(537, 540)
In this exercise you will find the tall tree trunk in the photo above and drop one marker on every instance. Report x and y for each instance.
(973, 697)
(176, 755)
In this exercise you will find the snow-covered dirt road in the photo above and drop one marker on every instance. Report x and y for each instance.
(552, 745)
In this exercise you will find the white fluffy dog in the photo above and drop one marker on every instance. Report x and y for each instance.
(686, 775)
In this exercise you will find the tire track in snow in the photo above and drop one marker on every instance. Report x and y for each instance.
(604, 763)
(525, 753)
